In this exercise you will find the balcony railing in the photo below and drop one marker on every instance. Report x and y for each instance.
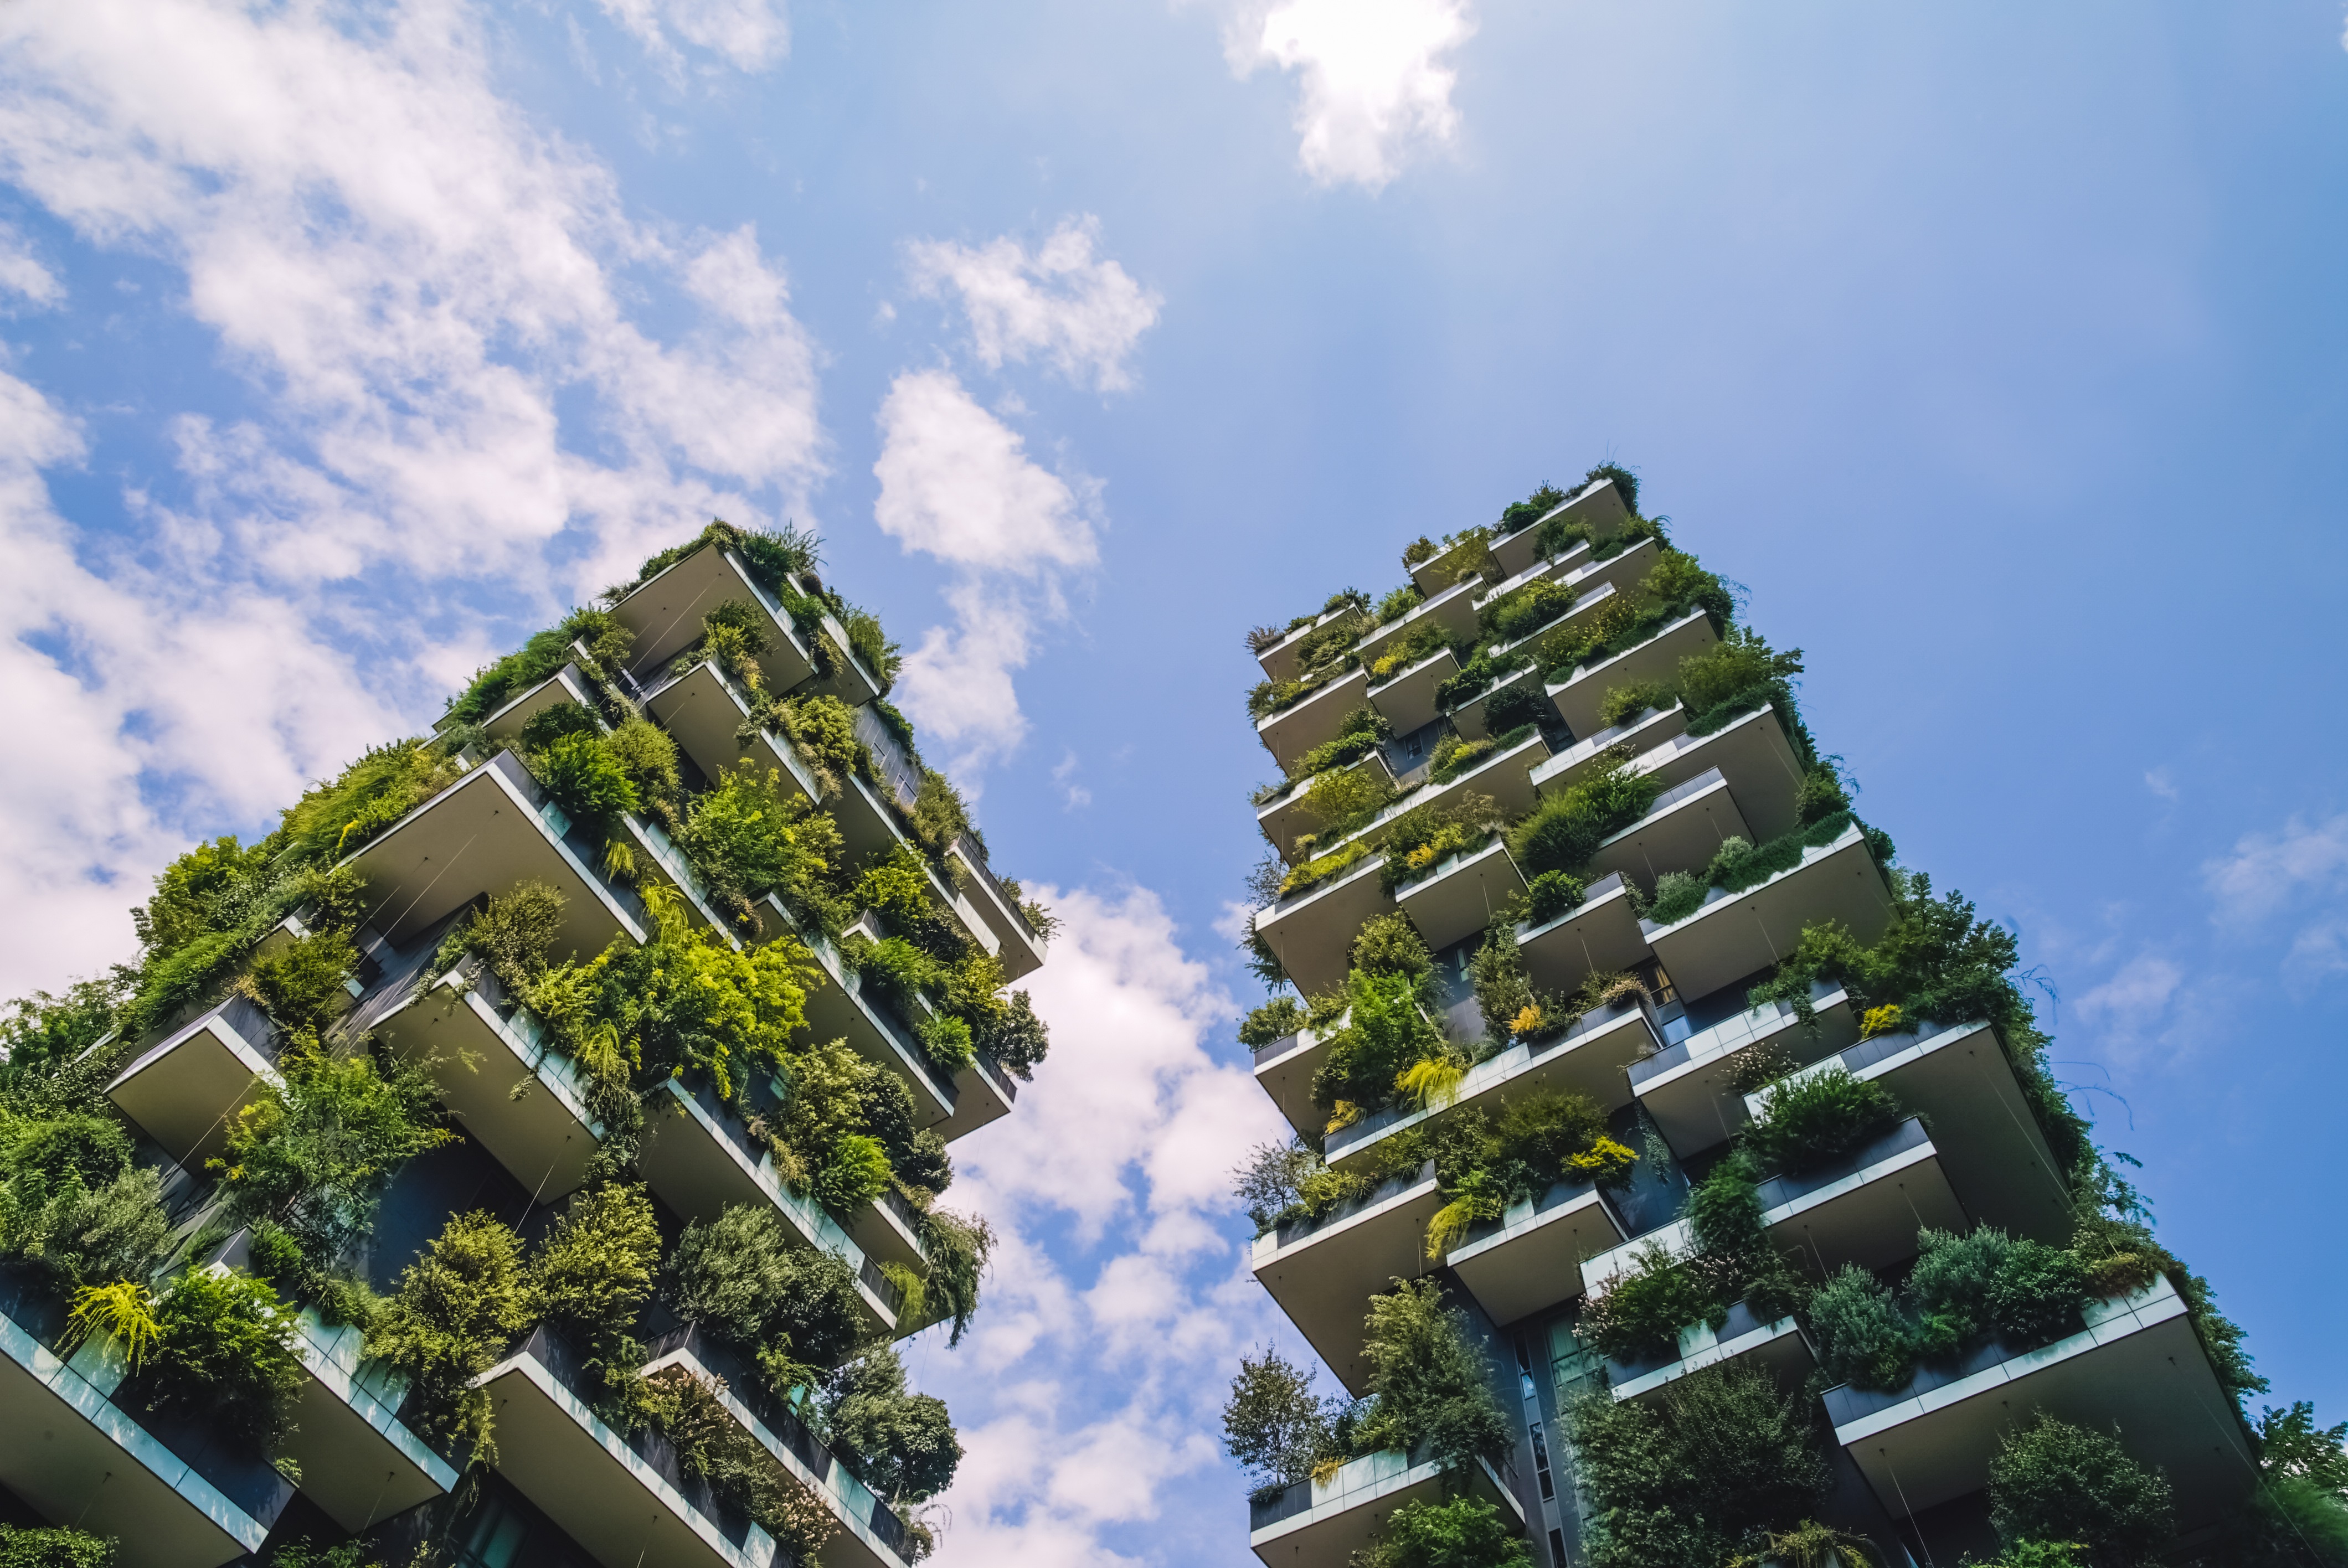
(1344, 1209)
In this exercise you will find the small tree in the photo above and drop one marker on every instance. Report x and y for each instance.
(1274, 1426)
(1463, 1532)
(1434, 1385)
(2054, 1481)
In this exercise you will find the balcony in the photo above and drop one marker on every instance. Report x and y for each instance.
(983, 1092)
(1865, 1207)
(1285, 1068)
(1458, 895)
(703, 711)
(359, 1461)
(1323, 1272)
(1304, 724)
(2136, 1362)
(1598, 508)
(174, 1495)
(1736, 934)
(1681, 831)
(1445, 566)
(1960, 1081)
(627, 1498)
(1524, 566)
(1532, 1258)
(1690, 1088)
(1469, 717)
(1504, 777)
(1313, 931)
(871, 1536)
(1022, 951)
(492, 829)
(1581, 694)
(186, 1092)
(1587, 1058)
(1601, 934)
(1407, 698)
(887, 1230)
(841, 1010)
(481, 1047)
(1742, 1339)
(666, 614)
(659, 861)
(1280, 661)
(1453, 608)
(1587, 755)
(699, 1156)
(567, 684)
(1317, 1524)
(1284, 815)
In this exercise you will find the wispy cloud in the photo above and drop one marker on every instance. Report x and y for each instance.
(1373, 82)
(747, 35)
(2270, 873)
(1083, 313)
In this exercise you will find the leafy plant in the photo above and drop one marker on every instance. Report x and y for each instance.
(748, 837)
(1433, 1384)
(740, 1277)
(1808, 1121)
(1564, 830)
(1421, 839)
(901, 1444)
(1274, 1426)
(1627, 702)
(711, 1444)
(225, 1353)
(1677, 896)
(1550, 894)
(957, 1249)
(23, 1546)
(1639, 1316)
(122, 1313)
(1358, 734)
(1385, 1033)
(1275, 1020)
(458, 1306)
(593, 1274)
(824, 730)
(1459, 1532)
(1862, 1338)
(2053, 1482)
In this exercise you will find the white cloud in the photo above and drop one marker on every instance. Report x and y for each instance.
(2268, 872)
(2160, 783)
(1082, 314)
(2134, 999)
(439, 316)
(21, 272)
(748, 34)
(956, 483)
(1072, 794)
(1083, 1401)
(1372, 85)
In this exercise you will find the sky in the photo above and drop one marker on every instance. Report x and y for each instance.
(1995, 350)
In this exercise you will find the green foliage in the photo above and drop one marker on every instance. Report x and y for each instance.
(1385, 1034)
(937, 816)
(711, 1444)
(1422, 837)
(1821, 1116)
(1509, 711)
(314, 1152)
(1504, 992)
(1639, 1316)
(2037, 1293)
(1526, 610)
(608, 644)
(1550, 894)
(885, 660)
(1397, 604)
(1320, 868)
(1275, 1020)
(1274, 1426)
(957, 1249)
(41, 1032)
(1358, 734)
(2290, 1444)
(1517, 515)
(1678, 584)
(825, 734)
(1677, 896)
(947, 1041)
(84, 1235)
(1390, 945)
(587, 780)
(1564, 830)
(648, 757)
(1822, 796)
(1269, 1185)
(1627, 702)
(1737, 674)
(1862, 1339)
(900, 1444)
(120, 1313)
(1949, 1287)
(25, 1547)
(593, 1274)
(1722, 1461)
(1433, 1384)
(740, 1277)
(514, 932)
(300, 984)
(226, 1354)
(1342, 800)
(1018, 1040)
(1626, 483)
(458, 1306)
(776, 555)
(335, 818)
(2053, 1482)
(1461, 1532)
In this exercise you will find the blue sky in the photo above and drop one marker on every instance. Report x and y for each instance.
(1994, 349)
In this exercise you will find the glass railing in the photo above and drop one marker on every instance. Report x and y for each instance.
(557, 821)
(1845, 1404)
(1680, 791)
(1731, 1034)
(1741, 1320)
(1559, 1195)
(1266, 1509)
(1781, 1190)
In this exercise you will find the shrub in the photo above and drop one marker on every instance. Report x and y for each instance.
(1518, 516)
(1397, 604)
(1341, 799)
(825, 734)
(458, 1306)
(1526, 610)
(1862, 1339)
(1503, 989)
(1462, 1532)
(1720, 1464)
(1564, 830)
(1678, 584)
(1323, 868)
(83, 1235)
(1738, 673)
(593, 1273)
(871, 644)
(2051, 1480)
(1275, 1020)
(1358, 734)
(2037, 1292)
(1454, 755)
(1639, 1316)
(588, 781)
(41, 1032)
(900, 1444)
(1551, 893)
(513, 932)
(711, 1445)
(1391, 945)
(1626, 483)
(1625, 703)
(957, 1249)
(300, 984)
(645, 754)
(313, 1154)
(748, 837)
(1433, 1384)
(1385, 1035)
(225, 1353)
(1677, 896)
(608, 643)
(1274, 1426)
(1512, 708)
(1268, 1184)
(1821, 795)
(25, 1547)
(1421, 839)
(739, 1276)
(1950, 1285)
(1808, 1120)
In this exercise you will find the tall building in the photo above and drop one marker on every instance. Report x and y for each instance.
(528, 1152)
(1621, 1044)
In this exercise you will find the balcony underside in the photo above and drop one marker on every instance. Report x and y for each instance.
(1643, 733)
(702, 712)
(2136, 1364)
(186, 1091)
(358, 1461)
(1313, 932)
(1533, 1258)
(1019, 952)
(1752, 754)
(1694, 1099)
(1298, 728)
(666, 615)
(1681, 836)
(1408, 700)
(1868, 1208)
(1601, 934)
(1349, 1513)
(1324, 1278)
(1460, 895)
(1578, 697)
(1287, 817)
(567, 684)
(1287, 1075)
(1453, 608)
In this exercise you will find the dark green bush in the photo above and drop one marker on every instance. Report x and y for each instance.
(1822, 796)
(1508, 710)
(1677, 896)
(593, 1274)
(1462, 1532)
(1862, 1338)
(900, 1444)
(588, 781)
(1275, 1020)
(2037, 1293)
(1824, 1116)
(226, 1356)
(1433, 1384)
(740, 1277)
(1564, 830)
(1623, 703)
(1551, 893)
(21, 1547)
(1518, 516)
(1639, 1316)
(1949, 1287)
(1358, 734)
(1391, 945)
(1385, 1035)
(458, 1308)
(957, 1249)
(1274, 1426)
(2051, 1480)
